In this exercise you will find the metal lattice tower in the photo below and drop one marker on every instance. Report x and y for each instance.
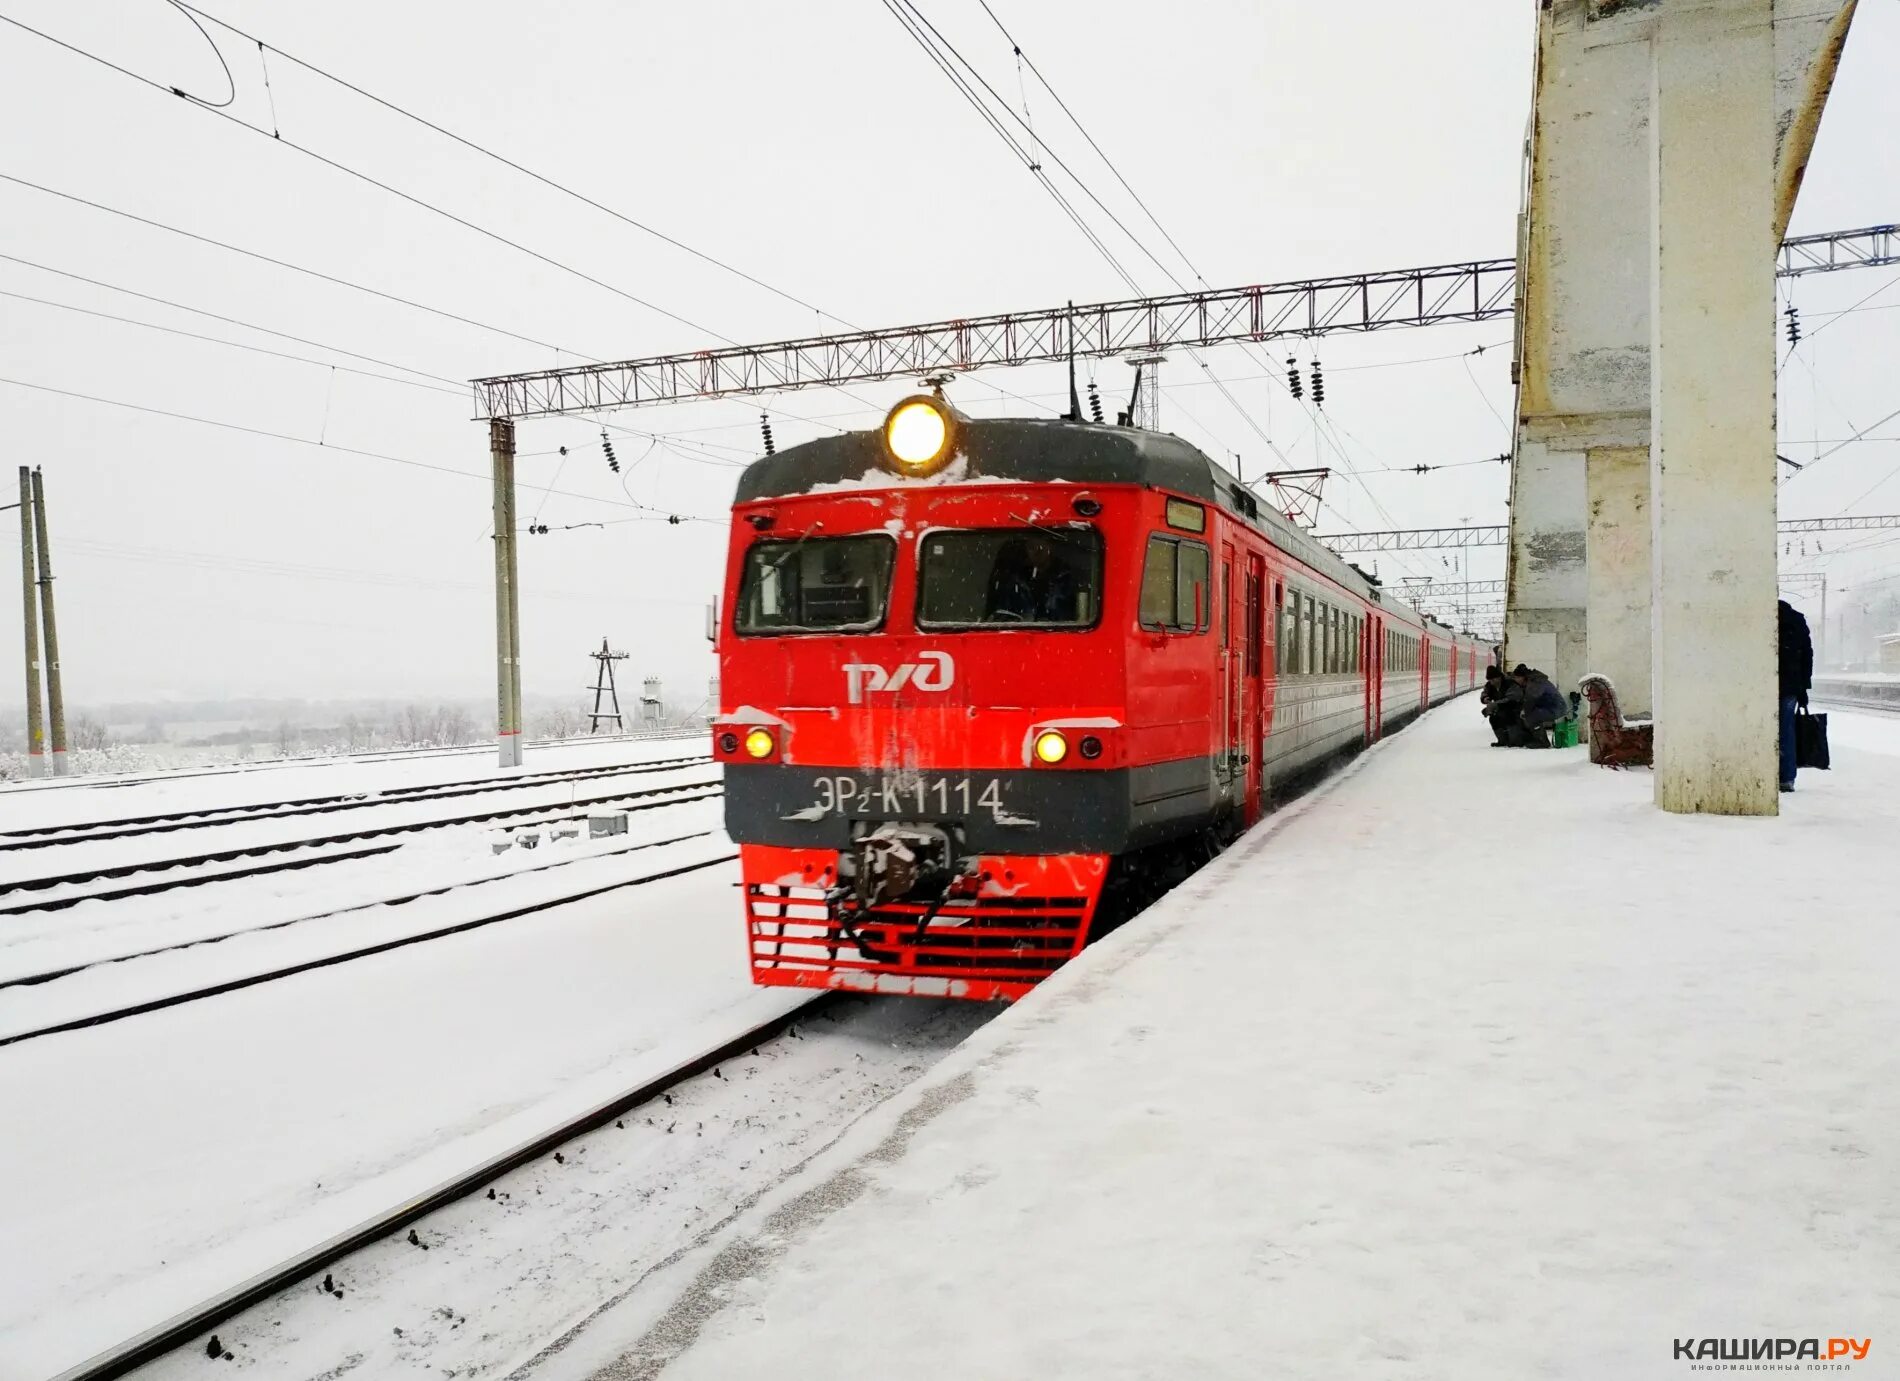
(604, 689)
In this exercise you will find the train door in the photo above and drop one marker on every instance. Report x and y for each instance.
(1230, 752)
(1253, 712)
(1375, 677)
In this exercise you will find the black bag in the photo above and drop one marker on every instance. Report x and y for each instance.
(1810, 740)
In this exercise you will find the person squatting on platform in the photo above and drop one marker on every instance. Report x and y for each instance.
(1522, 707)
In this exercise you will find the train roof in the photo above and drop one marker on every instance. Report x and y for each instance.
(1055, 450)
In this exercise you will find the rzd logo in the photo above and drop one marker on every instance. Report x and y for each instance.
(932, 671)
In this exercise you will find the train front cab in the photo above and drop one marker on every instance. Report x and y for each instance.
(1039, 753)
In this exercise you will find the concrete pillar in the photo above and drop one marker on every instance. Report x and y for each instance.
(1545, 619)
(1619, 572)
(501, 458)
(1712, 368)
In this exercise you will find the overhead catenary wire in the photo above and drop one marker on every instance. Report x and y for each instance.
(296, 268)
(507, 162)
(423, 203)
(1346, 462)
(300, 440)
(361, 176)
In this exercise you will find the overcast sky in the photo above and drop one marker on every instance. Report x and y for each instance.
(811, 145)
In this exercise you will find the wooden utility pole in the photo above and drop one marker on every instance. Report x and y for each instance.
(603, 687)
(35, 727)
(55, 694)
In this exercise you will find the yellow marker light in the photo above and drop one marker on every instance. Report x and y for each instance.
(920, 434)
(760, 743)
(1051, 747)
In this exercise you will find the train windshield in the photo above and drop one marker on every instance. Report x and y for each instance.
(816, 584)
(1011, 577)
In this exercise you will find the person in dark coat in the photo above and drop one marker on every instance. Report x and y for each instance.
(1500, 700)
(1794, 655)
(1544, 705)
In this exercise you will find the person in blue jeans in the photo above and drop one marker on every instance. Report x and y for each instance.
(1794, 653)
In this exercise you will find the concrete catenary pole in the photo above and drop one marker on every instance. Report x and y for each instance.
(501, 453)
(35, 725)
(55, 692)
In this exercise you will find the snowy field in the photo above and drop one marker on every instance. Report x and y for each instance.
(153, 1159)
(1469, 1065)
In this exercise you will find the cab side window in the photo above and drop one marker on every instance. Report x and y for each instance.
(1174, 586)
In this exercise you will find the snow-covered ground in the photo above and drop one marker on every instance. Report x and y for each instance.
(77, 800)
(506, 1279)
(151, 1160)
(1472, 1064)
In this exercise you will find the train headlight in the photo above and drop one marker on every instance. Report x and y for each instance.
(760, 743)
(920, 435)
(1051, 747)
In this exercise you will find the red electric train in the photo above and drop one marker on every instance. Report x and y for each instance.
(971, 668)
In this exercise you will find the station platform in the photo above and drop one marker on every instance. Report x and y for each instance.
(1469, 1064)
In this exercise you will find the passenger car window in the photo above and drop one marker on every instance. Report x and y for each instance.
(1173, 574)
(815, 584)
(1011, 578)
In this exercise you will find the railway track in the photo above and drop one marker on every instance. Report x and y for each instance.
(47, 836)
(468, 750)
(192, 1323)
(513, 816)
(1846, 702)
(362, 951)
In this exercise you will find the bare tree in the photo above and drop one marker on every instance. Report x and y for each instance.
(454, 725)
(88, 734)
(286, 738)
(561, 722)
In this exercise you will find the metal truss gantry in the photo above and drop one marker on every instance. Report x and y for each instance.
(1476, 291)
(1495, 535)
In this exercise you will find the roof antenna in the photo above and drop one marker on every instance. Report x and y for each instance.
(1075, 399)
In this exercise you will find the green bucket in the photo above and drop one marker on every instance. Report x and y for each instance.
(1563, 734)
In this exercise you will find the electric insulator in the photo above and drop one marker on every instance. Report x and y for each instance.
(1319, 387)
(1293, 378)
(765, 426)
(607, 445)
(1095, 403)
(674, 519)
(1794, 325)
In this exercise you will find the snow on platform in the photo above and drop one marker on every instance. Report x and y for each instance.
(1471, 1065)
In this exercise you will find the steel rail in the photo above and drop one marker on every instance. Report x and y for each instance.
(526, 815)
(41, 837)
(232, 985)
(367, 756)
(48, 975)
(188, 1324)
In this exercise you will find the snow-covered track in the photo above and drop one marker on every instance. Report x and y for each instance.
(46, 836)
(507, 816)
(1824, 698)
(191, 1324)
(195, 875)
(250, 765)
(716, 852)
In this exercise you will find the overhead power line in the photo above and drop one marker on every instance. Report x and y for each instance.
(507, 162)
(293, 268)
(436, 382)
(306, 441)
(377, 183)
(232, 344)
